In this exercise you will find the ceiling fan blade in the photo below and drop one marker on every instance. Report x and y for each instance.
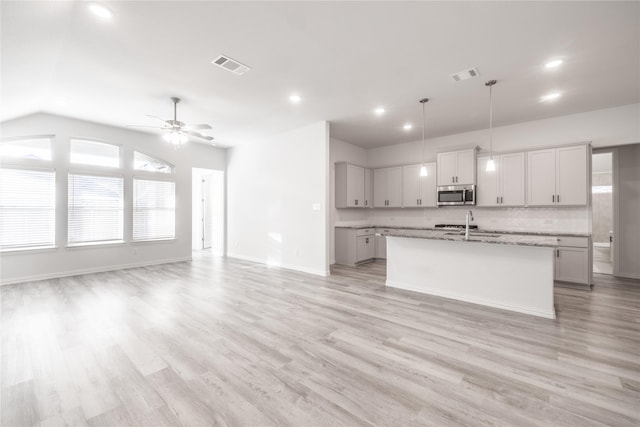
(143, 126)
(198, 134)
(193, 127)
(157, 118)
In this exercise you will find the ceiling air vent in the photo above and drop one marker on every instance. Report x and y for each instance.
(230, 65)
(464, 75)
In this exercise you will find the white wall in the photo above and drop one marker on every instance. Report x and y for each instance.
(22, 266)
(627, 255)
(271, 188)
(603, 128)
(607, 127)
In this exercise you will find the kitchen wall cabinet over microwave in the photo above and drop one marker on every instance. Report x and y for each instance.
(457, 167)
(558, 176)
(353, 186)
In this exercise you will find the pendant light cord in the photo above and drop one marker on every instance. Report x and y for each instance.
(423, 101)
(490, 83)
(423, 133)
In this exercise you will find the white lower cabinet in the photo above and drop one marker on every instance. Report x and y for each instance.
(381, 247)
(366, 248)
(354, 245)
(573, 260)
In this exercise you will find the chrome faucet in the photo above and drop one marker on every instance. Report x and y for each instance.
(468, 219)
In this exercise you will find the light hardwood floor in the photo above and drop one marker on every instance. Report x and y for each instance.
(228, 342)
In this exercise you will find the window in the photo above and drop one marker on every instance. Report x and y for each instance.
(95, 209)
(154, 209)
(142, 162)
(27, 208)
(94, 153)
(36, 147)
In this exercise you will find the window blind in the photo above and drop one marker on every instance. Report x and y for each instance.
(95, 209)
(154, 209)
(27, 208)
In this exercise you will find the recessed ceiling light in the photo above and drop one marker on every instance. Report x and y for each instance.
(550, 96)
(407, 126)
(554, 64)
(379, 111)
(295, 99)
(100, 10)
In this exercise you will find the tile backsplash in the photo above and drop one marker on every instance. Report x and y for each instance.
(553, 220)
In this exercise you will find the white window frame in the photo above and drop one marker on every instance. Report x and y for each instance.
(153, 176)
(36, 163)
(124, 207)
(106, 169)
(55, 206)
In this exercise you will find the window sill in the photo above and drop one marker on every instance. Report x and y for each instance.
(96, 244)
(167, 240)
(30, 250)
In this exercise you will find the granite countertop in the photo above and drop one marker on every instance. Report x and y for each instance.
(440, 230)
(482, 237)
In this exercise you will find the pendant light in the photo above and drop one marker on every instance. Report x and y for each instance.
(491, 164)
(423, 169)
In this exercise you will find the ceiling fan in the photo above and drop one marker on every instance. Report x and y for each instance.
(177, 131)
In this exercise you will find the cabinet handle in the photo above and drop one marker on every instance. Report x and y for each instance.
(366, 240)
(420, 202)
(366, 202)
(497, 200)
(558, 198)
(557, 253)
(356, 203)
(501, 201)
(453, 179)
(553, 198)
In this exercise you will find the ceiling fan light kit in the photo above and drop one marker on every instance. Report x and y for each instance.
(177, 132)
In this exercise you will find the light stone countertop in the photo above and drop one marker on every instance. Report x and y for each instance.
(480, 237)
(440, 230)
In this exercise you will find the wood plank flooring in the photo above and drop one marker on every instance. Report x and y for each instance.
(227, 342)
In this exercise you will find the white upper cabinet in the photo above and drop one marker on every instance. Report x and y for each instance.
(457, 167)
(349, 188)
(506, 185)
(557, 177)
(571, 176)
(541, 180)
(387, 187)
(418, 191)
(488, 190)
(368, 188)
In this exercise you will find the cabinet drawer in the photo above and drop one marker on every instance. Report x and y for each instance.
(384, 230)
(573, 242)
(364, 232)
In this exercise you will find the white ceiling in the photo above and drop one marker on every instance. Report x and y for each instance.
(344, 58)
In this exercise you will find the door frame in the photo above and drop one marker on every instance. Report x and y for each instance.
(615, 204)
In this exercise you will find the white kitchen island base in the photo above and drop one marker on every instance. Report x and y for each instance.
(507, 276)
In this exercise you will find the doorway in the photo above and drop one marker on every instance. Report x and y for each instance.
(602, 205)
(207, 210)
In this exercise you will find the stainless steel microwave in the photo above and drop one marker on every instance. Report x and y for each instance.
(453, 195)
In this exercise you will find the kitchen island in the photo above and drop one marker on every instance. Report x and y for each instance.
(503, 271)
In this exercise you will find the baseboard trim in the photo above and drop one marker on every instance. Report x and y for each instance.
(480, 301)
(627, 275)
(323, 273)
(82, 271)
